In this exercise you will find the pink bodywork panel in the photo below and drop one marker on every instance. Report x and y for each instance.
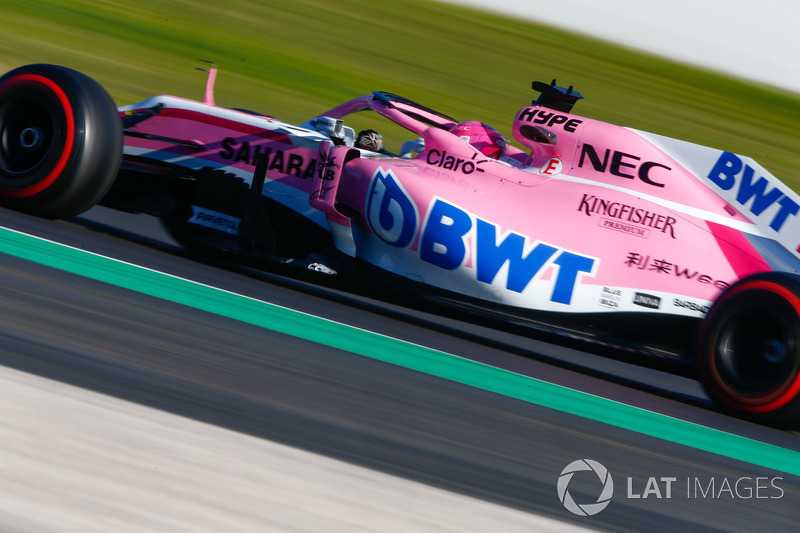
(586, 217)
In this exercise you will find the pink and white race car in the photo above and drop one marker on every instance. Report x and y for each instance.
(681, 250)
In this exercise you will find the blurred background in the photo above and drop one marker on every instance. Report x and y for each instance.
(294, 60)
(752, 40)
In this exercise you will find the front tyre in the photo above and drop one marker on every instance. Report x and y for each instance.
(749, 350)
(60, 141)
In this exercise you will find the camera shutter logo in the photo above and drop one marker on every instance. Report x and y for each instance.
(587, 509)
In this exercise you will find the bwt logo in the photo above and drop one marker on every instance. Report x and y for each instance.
(450, 236)
(730, 173)
(390, 212)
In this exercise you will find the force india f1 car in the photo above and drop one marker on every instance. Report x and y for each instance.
(594, 228)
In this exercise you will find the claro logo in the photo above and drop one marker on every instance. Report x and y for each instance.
(449, 162)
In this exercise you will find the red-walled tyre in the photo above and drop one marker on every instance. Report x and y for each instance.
(749, 350)
(60, 141)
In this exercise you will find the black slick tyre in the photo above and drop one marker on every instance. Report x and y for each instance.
(748, 354)
(60, 141)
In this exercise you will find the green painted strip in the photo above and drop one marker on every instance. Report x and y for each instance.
(395, 351)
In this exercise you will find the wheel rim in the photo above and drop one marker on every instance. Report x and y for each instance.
(37, 134)
(755, 354)
(26, 136)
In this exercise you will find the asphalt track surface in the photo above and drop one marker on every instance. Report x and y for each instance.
(281, 390)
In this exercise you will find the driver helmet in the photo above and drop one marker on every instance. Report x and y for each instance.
(485, 138)
(370, 140)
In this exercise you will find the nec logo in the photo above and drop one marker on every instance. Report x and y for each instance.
(621, 164)
(731, 174)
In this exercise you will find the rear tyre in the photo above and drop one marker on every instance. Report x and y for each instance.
(749, 350)
(60, 141)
